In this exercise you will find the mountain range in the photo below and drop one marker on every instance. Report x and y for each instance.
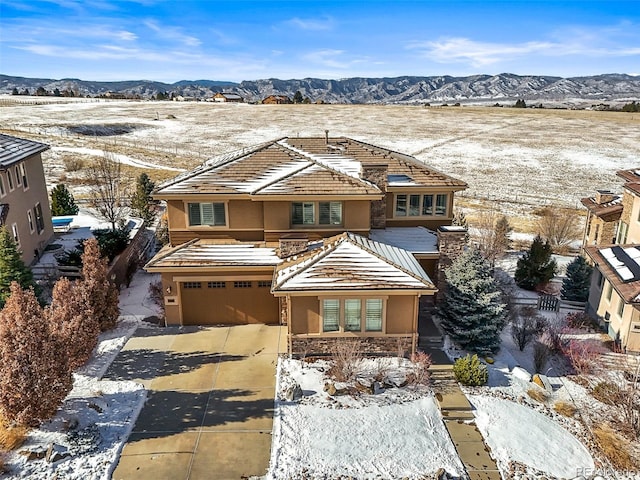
(504, 87)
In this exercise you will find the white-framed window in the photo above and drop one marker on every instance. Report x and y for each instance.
(207, 214)
(2, 190)
(10, 179)
(37, 210)
(316, 213)
(14, 231)
(30, 220)
(609, 292)
(23, 171)
(18, 176)
(620, 307)
(352, 314)
(622, 232)
(421, 205)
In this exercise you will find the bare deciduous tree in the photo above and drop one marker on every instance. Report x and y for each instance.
(108, 193)
(559, 227)
(492, 235)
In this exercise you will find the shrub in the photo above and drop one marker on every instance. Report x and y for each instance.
(346, 357)
(564, 408)
(583, 355)
(72, 164)
(614, 447)
(541, 354)
(156, 294)
(538, 395)
(34, 373)
(11, 436)
(112, 242)
(420, 372)
(526, 325)
(470, 371)
(579, 320)
(606, 392)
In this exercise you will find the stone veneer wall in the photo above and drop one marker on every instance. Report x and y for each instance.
(370, 345)
(292, 246)
(377, 174)
(451, 243)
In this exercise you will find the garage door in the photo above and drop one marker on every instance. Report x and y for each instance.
(232, 303)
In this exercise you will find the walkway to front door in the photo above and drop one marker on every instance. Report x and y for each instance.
(209, 411)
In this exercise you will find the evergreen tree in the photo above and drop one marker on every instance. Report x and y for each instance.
(98, 293)
(141, 201)
(520, 104)
(62, 201)
(502, 238)
(460, 219)
(34, 373)
(12, 268)
(536, 267)
(71, 324)
(575, 286)
(15, 91)
(56, 92)
(471, 312)
(297, 97)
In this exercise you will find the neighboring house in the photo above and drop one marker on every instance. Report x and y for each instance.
(612, 245)
(277, 100)
(24, 201)
(227, 97)
(332, 236)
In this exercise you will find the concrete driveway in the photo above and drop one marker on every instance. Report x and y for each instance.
(209, 411)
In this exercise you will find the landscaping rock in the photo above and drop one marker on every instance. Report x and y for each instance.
(36, 453)
(293, 392)
(56, 453)
(521, 373)
(330, 388)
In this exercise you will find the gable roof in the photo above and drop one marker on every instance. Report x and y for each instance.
(351, 262)
(14, 149)
(272, 168)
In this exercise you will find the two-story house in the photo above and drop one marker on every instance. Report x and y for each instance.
(612, 245)
(24, 202)
(332, 236)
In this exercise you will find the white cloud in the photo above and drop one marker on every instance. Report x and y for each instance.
(172, 34)
(313, 24)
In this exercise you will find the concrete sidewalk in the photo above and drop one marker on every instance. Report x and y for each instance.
(209, 411)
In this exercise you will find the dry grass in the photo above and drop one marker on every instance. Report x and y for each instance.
(565, 408)
(538, 395)
(11, 437)
(614, 447)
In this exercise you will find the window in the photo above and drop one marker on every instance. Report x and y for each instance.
(609, 292)
(30, 220)
(373, 315)
(14, 230)
(620, 308)
(330, 213)
(2, 191)
(600, 278)
(216, 285)
(330, 315)
(18, 176)
(427, 205)
(211, 214)
(622, 232)
(37, 210)
(192, 285)
(10, 178)
(595, 237)
(401, 205)
(264, 283)
(416, 205)
(304, 213)
(441, 204)
(24, 176)
(352, 315)
(242, 284)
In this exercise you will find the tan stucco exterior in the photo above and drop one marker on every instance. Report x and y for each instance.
(23, 202)
(624, 327)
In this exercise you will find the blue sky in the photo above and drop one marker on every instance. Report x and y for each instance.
(248, 40)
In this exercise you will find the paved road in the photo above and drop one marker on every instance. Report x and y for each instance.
(209, 411)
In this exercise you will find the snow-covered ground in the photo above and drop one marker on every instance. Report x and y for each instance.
(93, 423)
(397, 433)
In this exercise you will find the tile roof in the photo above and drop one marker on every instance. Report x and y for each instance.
(631, 178)
(620, 265)
(273, 168)
(305, 166)
(351, 262)
(13, 149)
(202, 254)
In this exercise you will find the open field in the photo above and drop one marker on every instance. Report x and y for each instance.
(513, 158)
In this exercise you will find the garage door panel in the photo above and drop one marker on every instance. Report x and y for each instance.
(229, 305)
